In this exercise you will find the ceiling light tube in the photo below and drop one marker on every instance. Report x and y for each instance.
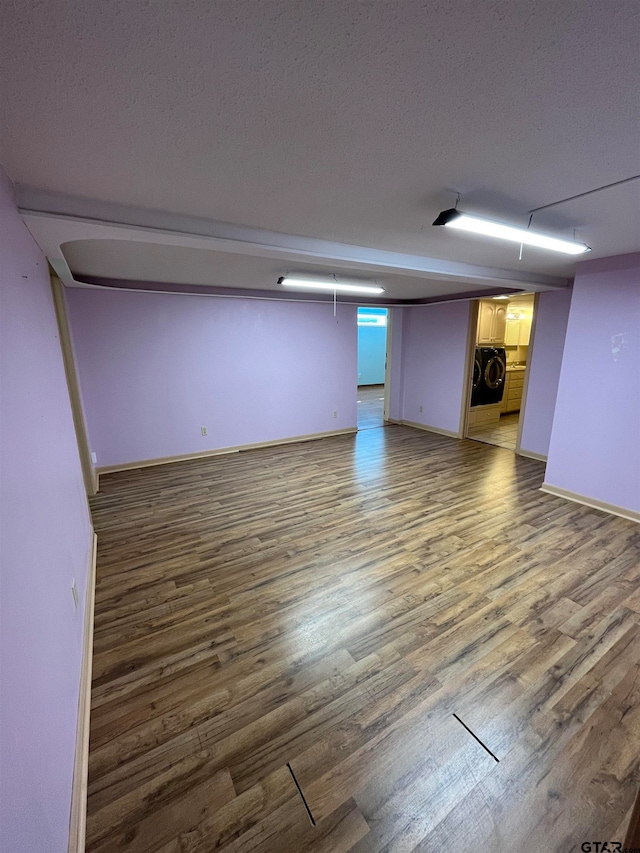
(475, 224)
(329, 285)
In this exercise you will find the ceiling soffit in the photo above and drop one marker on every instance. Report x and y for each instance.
(56, 220)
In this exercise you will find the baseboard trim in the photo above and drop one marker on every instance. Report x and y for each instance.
(221, 451)
(541, 457)
(78, 819)
(449, 433)
(623, 512)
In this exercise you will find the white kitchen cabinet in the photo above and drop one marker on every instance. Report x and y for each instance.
(513, 388)
(518, 330)
(484, 416)
(485, 322)
(505, 394)
(492, 323)
(525, 330)
(512, 333)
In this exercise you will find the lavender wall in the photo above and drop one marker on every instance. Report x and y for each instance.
(595, 445)
(434, 346)
(155, 368)
(45, 538)
(545, 360)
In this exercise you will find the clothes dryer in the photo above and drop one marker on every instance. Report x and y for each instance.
(478, 380)
(493, 364)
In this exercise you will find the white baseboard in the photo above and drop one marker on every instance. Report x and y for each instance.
(541, 457)
(78, 819)
(449, 433)
(221, 451)
(622, 511)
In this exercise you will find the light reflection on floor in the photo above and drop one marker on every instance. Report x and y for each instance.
(370, 406)
(501, 467)
(369, 453)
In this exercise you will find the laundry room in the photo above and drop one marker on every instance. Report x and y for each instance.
(500, 355)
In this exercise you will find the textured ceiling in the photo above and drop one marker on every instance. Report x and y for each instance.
(348, 121)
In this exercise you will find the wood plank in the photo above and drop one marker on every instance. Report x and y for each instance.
(179, 816)
(329, 606)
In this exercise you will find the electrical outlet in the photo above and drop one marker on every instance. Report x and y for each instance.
(74, 593)
(94, 457)
(420, 408)
(335, 414)
(203, 430)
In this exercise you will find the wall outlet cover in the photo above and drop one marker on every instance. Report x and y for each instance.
(203, 430)
(94, 457)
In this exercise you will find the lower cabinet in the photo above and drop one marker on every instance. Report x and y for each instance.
(484, 416)
(513, 387)
(505, 393)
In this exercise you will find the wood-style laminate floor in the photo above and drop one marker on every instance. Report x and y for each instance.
(370, 406)
(397, 626)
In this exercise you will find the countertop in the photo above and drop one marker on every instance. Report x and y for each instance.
(512, 368)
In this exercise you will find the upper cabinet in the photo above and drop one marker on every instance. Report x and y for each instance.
(492, 323)
(518, 328)
(525, 330)
(512, 335)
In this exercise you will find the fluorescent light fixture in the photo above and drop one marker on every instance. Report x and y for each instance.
(500, 297)
(327, 285)
(453, 218)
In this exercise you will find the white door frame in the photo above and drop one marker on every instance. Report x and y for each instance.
(387, 367)
(88, 471)
(525, 388)
(463, 427)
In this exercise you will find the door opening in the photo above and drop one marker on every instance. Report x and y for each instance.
(499, 368)
(372, 366)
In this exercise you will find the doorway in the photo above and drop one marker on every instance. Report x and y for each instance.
(500, 359)
(372, 363)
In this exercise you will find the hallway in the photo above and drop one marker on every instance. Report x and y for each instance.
(370, 406)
